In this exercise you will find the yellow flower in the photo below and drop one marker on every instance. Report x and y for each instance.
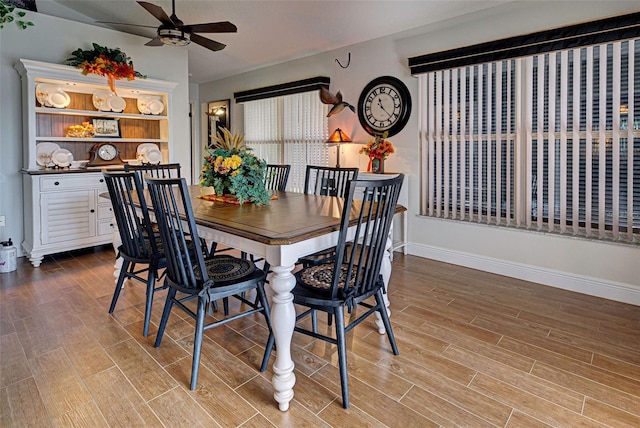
(232, 162)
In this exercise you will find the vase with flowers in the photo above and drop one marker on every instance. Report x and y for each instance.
(231, 168)
(112, 63)
(378, 150)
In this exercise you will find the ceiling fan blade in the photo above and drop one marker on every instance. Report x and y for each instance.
(154, 42)
(211, 27)
(207, 43)
(158, 12)
(124, 23)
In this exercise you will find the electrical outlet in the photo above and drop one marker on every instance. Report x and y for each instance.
(3, 221)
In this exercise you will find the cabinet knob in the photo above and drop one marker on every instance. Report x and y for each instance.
(57, 183)
(102, 180)
(92, 211)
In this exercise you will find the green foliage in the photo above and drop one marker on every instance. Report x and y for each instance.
(238, 172)
(9, 13)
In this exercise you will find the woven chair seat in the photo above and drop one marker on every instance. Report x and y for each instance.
(321, 277)
(226, 268)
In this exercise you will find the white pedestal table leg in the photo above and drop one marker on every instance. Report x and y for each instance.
(283, 320)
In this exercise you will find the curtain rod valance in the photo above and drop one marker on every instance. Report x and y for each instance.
(589, 33)
(305, 85)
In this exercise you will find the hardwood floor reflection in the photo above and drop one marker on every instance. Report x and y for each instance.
(476, 350)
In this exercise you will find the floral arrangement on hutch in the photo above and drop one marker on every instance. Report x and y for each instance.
(378, 150)
(234, 171)
(112, 63)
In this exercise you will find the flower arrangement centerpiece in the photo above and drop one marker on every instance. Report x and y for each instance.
(112, 63)
(378, 150)
(232, 168)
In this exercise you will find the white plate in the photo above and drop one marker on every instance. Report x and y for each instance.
(155, 106)
(146, 146)
(62, 157)
(44, 152)
(101, 99)
(59, 99)
(153, 156)
(116, 103)
(142, 102)
(42, 93)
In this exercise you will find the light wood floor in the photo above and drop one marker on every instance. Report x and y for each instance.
(476, 350)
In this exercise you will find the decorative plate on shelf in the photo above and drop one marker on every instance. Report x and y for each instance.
(152, 156)
(146, 146)
(59, 99)
(44, 153)
(150, 104)
(116, 103)
(101, 99)
(155, 106)
(62, 157)
(42, 93)
(52, 96)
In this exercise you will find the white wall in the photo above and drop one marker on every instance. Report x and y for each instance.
(596, 268)
(52, 40)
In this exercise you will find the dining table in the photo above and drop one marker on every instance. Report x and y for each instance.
(291, 226)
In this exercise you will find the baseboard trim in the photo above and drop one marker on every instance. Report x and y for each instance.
(619, 292)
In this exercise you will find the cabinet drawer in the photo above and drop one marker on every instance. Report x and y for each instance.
(105, 212)
(105, 228)
(77, 181)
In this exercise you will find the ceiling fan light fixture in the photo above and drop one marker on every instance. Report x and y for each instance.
(174, 37)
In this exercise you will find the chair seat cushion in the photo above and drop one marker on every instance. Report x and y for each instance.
(226, 268)
(320, 277)
(318, 258)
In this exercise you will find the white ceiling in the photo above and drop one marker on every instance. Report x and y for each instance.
(269, 32)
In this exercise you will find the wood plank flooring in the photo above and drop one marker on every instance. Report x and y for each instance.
(476, 350)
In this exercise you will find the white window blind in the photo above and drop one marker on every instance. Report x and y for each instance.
(549, 142)
(290, 129)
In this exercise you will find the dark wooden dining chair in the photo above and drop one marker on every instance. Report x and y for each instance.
(161, 170)
(326, 181)
(276, 177)
(190, 275)
(353, 276)
(141, 250)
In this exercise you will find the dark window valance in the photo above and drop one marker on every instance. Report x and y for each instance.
(621, 27)
(296, 87)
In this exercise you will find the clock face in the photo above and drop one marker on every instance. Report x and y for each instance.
(384, 106)
(107, 152)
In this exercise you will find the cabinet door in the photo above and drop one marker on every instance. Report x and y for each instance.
(67, 216)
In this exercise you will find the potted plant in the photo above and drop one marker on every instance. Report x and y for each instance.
(233, 169)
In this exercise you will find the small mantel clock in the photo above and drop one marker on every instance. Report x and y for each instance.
(104, 154)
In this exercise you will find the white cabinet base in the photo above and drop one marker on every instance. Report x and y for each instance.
(63, 212)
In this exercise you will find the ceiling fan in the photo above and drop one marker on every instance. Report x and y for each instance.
(173, 32)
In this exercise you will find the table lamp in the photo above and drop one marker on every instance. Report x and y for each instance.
(338, 137)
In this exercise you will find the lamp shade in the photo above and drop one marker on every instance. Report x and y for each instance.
(338, 137)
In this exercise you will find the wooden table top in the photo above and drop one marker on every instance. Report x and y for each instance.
(291, 218)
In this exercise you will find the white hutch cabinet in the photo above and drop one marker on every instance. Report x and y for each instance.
(62, 207)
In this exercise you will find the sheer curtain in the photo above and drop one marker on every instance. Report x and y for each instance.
(291, 129)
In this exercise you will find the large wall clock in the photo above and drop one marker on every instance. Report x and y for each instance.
(384, 106)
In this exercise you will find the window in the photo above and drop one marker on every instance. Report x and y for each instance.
(289, 129)
(549, 142)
